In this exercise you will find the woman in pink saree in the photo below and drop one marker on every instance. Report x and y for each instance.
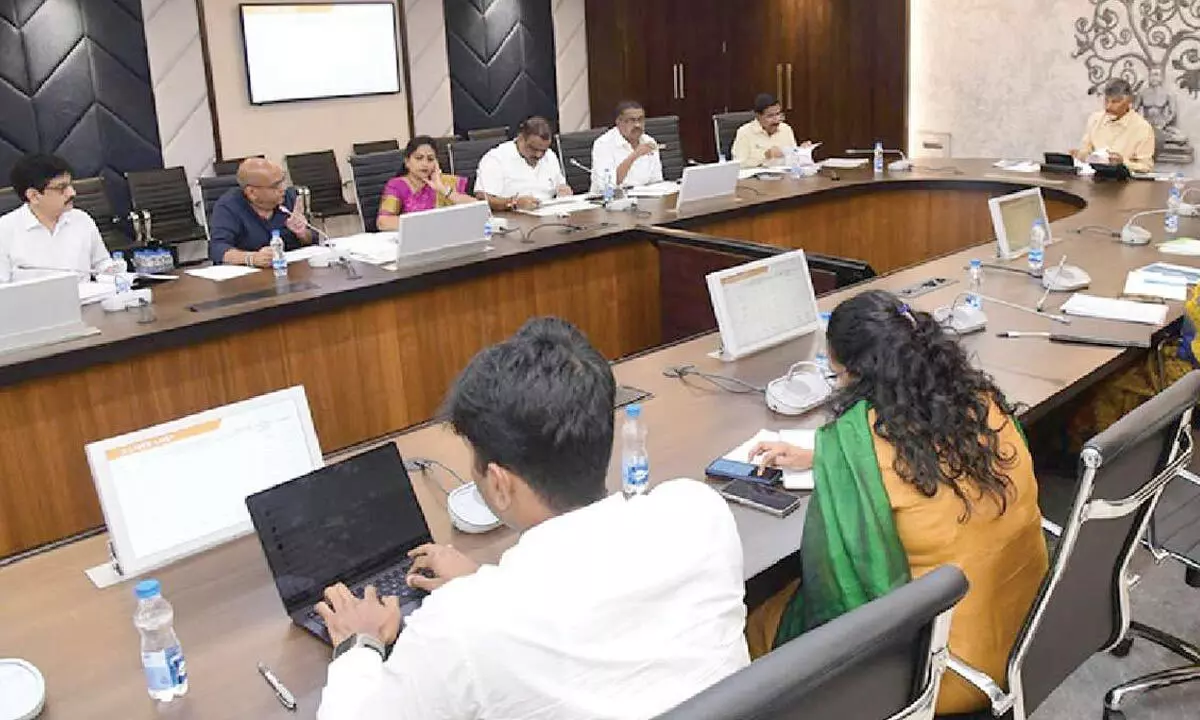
(423, 186)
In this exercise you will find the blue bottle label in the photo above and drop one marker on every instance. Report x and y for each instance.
(636, 474)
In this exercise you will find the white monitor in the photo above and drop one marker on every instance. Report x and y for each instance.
(175, 489)
(442, 233)
(763, 303)
(1012, 219)
(40, 308)
(705, 182)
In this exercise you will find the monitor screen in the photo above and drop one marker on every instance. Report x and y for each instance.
(1013, 217)
(305, 52)
(763, 303)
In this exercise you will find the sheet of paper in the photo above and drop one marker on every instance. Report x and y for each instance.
(564, 200)
(1137, 283)
(1171, 273)
(1022, 166)
(304, 253)
(93, 292)
(1110, 309)
(221, 273)
(1182, 246)
(371, 248)
(560, 208)
(747, 173)
(845, 163)
(654, 190)
(801, 155)
(792, 479)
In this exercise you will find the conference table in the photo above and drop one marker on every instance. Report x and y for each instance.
(375, 355)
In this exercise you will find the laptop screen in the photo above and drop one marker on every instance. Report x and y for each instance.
(339, 523)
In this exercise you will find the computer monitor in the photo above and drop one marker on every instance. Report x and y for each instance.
(763, 303)
(1012, 219)
(442, 233)
(178, 488)
(705, 182)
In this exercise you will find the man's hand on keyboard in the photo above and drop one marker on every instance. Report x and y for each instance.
(435, 565)
(345, 615)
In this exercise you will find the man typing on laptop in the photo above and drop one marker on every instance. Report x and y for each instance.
(606, 607)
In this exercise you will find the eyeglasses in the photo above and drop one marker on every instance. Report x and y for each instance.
(59, 187)
(277, 185)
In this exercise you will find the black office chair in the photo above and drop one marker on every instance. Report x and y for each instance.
(1082, 607)
(578, 146)
(465, 156)
(318, 171)
(211, 190)
(165, 199)
(488, 133)
(378, 146)
(9, 200)
(665, 131)
(725, 127)
(884, 660)
(230, 166)
(91, 198)
(371, 173)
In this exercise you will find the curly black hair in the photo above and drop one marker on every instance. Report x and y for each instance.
(929, 402)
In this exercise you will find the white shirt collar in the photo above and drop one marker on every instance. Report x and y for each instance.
(29, 221)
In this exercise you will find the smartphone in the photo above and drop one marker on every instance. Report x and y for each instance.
(734, 470)
(761, 497)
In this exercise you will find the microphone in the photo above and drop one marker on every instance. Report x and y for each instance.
(900, 165)
(323, 240)
(322, 236)
(591, 173)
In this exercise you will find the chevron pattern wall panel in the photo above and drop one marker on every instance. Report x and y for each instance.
(502, 61)
(570, 43)
(75, 81)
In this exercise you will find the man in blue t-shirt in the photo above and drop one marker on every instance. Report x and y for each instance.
(242, 220)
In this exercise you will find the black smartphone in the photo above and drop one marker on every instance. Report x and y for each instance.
(734, 470)
(761, 497)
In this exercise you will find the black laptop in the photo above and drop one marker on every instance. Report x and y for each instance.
(353, 522)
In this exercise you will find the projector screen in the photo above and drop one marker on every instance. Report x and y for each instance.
(305, 52)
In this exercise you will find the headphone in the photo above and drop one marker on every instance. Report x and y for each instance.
(802, 389)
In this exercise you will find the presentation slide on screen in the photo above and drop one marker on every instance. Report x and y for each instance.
(300, 52)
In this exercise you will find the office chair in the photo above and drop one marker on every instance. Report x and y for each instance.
(230, 166)
(371, 173)
(9, 200)
(91, 197)
(465, 156)
(1082, 607)
(665, 131)
(165, 198)
(488, 133)
(318, 171)
(882, 661)
(578, 146)
(725, 127)
(211, 190)
(366, 148)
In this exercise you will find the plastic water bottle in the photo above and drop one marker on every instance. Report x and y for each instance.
(278, 258)
(975, 285)
(635, 463)
(823, 320)
(609, 189)
(162, 657)
(121, 277)
(878, 159)
(488, 228)
(1037, 248)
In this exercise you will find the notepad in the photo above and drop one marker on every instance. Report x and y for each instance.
(1109, 309)
(792, 479)
(220, 273)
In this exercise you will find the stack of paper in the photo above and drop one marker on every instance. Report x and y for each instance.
(792, 479)
(1023, 166)
(304, 253)
(220, 273)
(1110, 309)
(371, 248)
(844, 163)
(560, 207)
(654, 190)
(93, 292)
(1181, 246)
(747, 173)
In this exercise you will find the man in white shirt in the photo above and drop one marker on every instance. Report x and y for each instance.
(606, 607)
(625, 152)
(47, 232)
(521, 173)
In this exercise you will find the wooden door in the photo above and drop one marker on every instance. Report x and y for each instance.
(702, 34)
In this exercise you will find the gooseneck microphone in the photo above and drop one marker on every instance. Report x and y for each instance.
(322, 236)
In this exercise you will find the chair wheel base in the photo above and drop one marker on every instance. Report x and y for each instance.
(1113, 714)
(1192, 577)
(1120, 650)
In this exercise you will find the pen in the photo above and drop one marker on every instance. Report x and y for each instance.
(1057, 277)
(285, 696)
(1076, 339)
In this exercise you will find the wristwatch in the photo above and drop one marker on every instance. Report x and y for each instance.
(358, 640)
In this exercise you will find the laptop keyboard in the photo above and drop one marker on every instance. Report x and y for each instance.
(388, 582)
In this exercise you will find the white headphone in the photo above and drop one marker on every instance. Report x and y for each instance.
(802, 389)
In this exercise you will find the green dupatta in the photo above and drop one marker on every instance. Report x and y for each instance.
(850, 550)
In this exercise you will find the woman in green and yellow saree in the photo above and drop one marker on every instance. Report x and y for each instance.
(922, 465)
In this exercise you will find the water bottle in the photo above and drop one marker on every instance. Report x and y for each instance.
(635, 463)
(975, 285)
(823, 320)
(121, 277)
(878, 159)
(488, 228)
(162, 657)
(278, 259)
(1174, 200)
(609, 190)
(1037, 248)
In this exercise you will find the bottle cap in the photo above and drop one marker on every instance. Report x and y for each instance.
(976, 263)
(119, 254)
(147, 589)
(633, 410)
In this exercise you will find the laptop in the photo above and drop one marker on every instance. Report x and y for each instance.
(442, 233)
(353, 522)
(705, 182)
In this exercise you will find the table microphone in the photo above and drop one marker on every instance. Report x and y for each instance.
(324, 240)
(322, 236)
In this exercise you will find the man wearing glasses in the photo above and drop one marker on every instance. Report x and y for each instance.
(765, 139)
(243, 219)
(625, 152)
(47, 232)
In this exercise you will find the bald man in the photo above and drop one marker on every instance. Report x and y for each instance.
(242, 220)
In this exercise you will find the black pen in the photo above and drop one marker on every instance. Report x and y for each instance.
(1077, 339)
(285, 696)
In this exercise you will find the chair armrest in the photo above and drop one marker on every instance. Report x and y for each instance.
(1001, 701)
